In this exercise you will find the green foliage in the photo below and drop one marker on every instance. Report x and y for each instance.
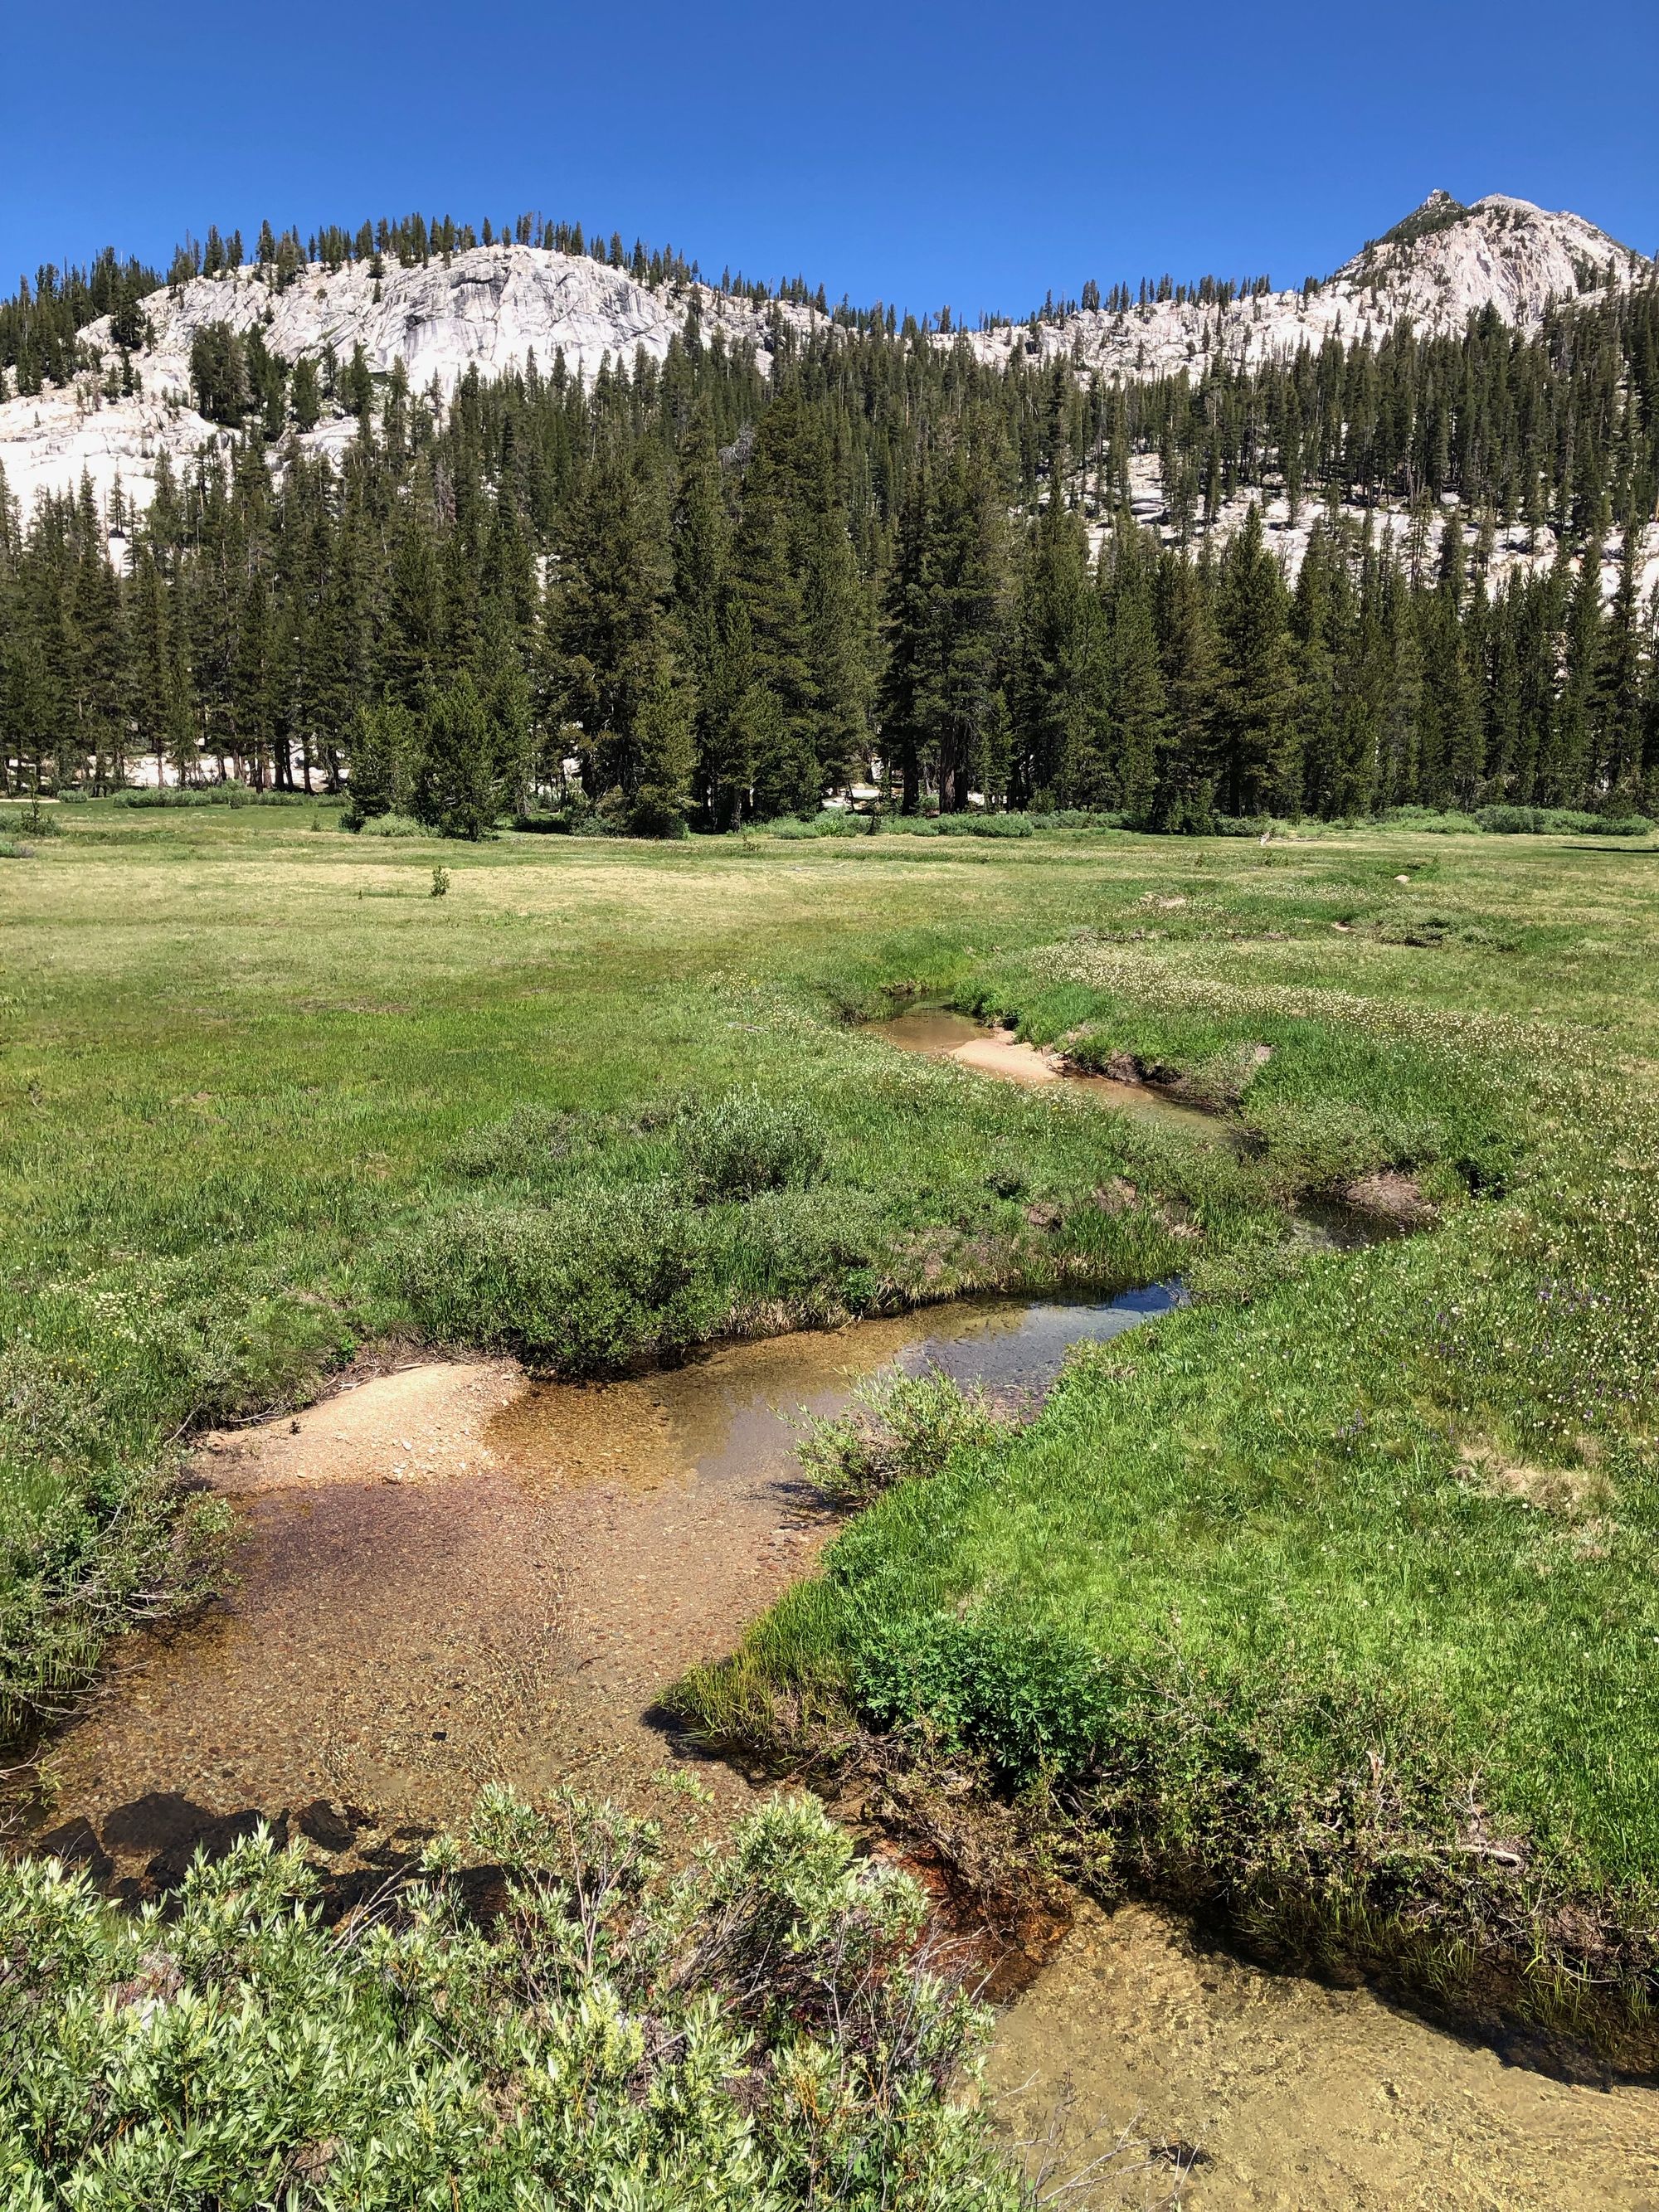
(899, 1426)
(585, 1285)
(208, 794)
(382, 757)
(1560, 821)
(455, 790)
(727, 2037)
(741, 1144)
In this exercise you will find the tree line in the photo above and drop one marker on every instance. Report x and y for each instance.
(714, 589)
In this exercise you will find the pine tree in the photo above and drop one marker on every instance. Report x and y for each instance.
(383, 751)
(453, 790)
(1184, 789)
(703, 602)
(1256, 702)
(1139, 708)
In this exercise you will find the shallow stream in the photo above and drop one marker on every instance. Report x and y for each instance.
(450, 1576)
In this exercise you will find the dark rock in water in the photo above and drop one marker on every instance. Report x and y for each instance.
(217, 1836)
(158, 1822)
(76, 1841)
(329, 1825)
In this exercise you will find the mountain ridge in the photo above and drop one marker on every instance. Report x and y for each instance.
(494, 307)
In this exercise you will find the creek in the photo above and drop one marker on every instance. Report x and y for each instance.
(450, 1576)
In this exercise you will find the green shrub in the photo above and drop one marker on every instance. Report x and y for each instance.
(592, 1283)
(899, 1426)
(745, 1143)
(1025, 1699)
(817, 1253)
(732, 2038)
(212, 794)
(1558, 820)
(533, 1138)
(390, 825)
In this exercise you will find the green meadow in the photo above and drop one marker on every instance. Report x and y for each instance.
(1327, 1600)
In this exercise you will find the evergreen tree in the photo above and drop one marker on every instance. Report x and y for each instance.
(453, 790)
(384, 752)
(1256, 702)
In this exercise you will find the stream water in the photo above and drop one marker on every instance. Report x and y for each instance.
(450, 1577)
(940, 1033)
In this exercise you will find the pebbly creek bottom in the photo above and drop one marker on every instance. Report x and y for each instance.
(450, 1576)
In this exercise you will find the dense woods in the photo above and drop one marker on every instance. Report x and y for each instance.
(710, 590)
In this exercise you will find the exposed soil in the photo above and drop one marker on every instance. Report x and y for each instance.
(937, 1033)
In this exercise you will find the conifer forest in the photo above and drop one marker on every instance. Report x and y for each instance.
(706, 591)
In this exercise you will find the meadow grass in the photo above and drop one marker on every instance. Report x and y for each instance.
(1332, 1592)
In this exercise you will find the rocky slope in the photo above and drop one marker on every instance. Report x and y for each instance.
(1441, 264)
(494, 306)
(492, 309)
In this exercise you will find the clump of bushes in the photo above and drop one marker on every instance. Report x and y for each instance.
(899, 1425)
(593, 1281)
(1558, 820)
(533, 1138)
(761, 2033)
(213, 795)
(738, 1147)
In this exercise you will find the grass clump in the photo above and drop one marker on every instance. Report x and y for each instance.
(899, 1425)
(741, 1144)
(727, 2037)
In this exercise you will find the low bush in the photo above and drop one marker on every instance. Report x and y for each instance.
(213, 795)
(761, 2033)
(593, 1282)
(1558, 820)
(533, 1140)
(899, 1425)
(745, 1143)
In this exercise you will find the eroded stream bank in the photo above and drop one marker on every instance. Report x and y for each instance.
(452, 1578)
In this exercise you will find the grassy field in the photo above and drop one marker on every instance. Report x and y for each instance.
(1332, 1596)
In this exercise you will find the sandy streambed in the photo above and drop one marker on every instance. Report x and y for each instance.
(1240, 2090)
(452, 1576)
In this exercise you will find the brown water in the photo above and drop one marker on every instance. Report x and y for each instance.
(450, 1577)
(1237, 2090)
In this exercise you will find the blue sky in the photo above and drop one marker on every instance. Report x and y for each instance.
(917, 152)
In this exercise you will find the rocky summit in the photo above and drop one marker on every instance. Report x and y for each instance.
(501, 305)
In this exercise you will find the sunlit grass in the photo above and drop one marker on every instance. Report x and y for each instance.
(246, 1058)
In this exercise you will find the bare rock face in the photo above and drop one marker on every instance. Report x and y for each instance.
(493, 309)
(496, 307)
(1445, 263)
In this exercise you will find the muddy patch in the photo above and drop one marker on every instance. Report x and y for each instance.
(1232, 2089)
